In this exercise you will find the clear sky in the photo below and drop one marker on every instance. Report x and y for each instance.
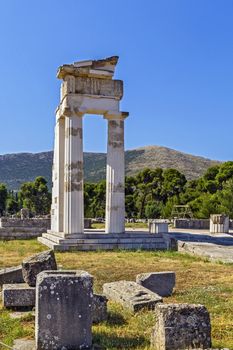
(176, 60)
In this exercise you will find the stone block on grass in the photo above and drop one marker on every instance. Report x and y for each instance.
(180, 327)
(99, 308)
(18, 296)
(63, 310)
(11, 275)
(161, 283)
(37, 263)
(131, 295)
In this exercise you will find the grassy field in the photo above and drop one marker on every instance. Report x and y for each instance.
(198, 281)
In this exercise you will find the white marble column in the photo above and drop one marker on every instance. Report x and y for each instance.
(115, 177)
(58, 177)
(73, 185)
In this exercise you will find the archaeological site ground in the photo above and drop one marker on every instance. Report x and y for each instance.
(162, 282)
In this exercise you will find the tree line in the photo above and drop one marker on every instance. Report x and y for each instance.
(151, 193)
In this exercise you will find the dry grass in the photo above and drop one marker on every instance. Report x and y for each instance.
(198, 281)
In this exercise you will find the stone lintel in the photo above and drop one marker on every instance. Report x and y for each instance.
(65, 70)
(113, 115)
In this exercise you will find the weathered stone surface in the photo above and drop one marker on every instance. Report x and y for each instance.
(18, 295)
(131, 295)
(181, 326)
(64, 310)
(11, 275)
(22, 314)
(36, 264)
(161, 283)
(99, 308)
(101, 87)
(24, 344)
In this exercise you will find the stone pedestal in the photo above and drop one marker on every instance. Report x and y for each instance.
(181, 327)
(63, 310)
(115, 181)
(157, 226)
(73, 186)
(219, 223)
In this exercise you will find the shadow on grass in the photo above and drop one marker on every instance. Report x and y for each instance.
(113, 341)
(115, 319)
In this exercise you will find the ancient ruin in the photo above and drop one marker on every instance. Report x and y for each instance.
(88, 87)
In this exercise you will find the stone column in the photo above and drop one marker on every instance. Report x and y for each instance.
(115, 176)
(58, 177)
(73, 186)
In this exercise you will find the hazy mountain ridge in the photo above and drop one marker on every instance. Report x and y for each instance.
(18, 168)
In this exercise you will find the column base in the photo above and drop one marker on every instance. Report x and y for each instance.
(93, 240)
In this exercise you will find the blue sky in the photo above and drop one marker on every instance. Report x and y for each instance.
(176, 60)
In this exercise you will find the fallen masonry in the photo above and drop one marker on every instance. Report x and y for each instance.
(63, 310)
(131, 295)
(21, 296)
(161, 283)
(11, 275)
(180, 327)
(99, 308)
(37, 263)
(18, 296)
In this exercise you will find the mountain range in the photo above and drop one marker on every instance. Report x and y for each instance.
(18, 168)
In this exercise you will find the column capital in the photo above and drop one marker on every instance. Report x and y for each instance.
(67, 111)
(114, 115)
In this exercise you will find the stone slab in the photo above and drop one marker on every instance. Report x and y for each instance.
(180, 327)
(18, 295)
(131, 295)
(22, 314)
(37, 263)
(24, 344)
(99, 308)
(217, 248)
(27, 344)
(11, 275)
(63, 310)
(161, 283)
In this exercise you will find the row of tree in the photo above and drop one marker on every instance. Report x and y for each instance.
(152, 193)
(32, 195)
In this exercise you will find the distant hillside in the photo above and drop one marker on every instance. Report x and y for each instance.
(18, 168)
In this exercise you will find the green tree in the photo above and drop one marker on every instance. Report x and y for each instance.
(3, 198)
(225, 198)
(153, 210)
(35, 196)
(12, 205)
(173, 183)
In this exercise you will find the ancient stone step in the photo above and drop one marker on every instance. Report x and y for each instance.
(131, 295)
(103, 239)
(102, 246)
